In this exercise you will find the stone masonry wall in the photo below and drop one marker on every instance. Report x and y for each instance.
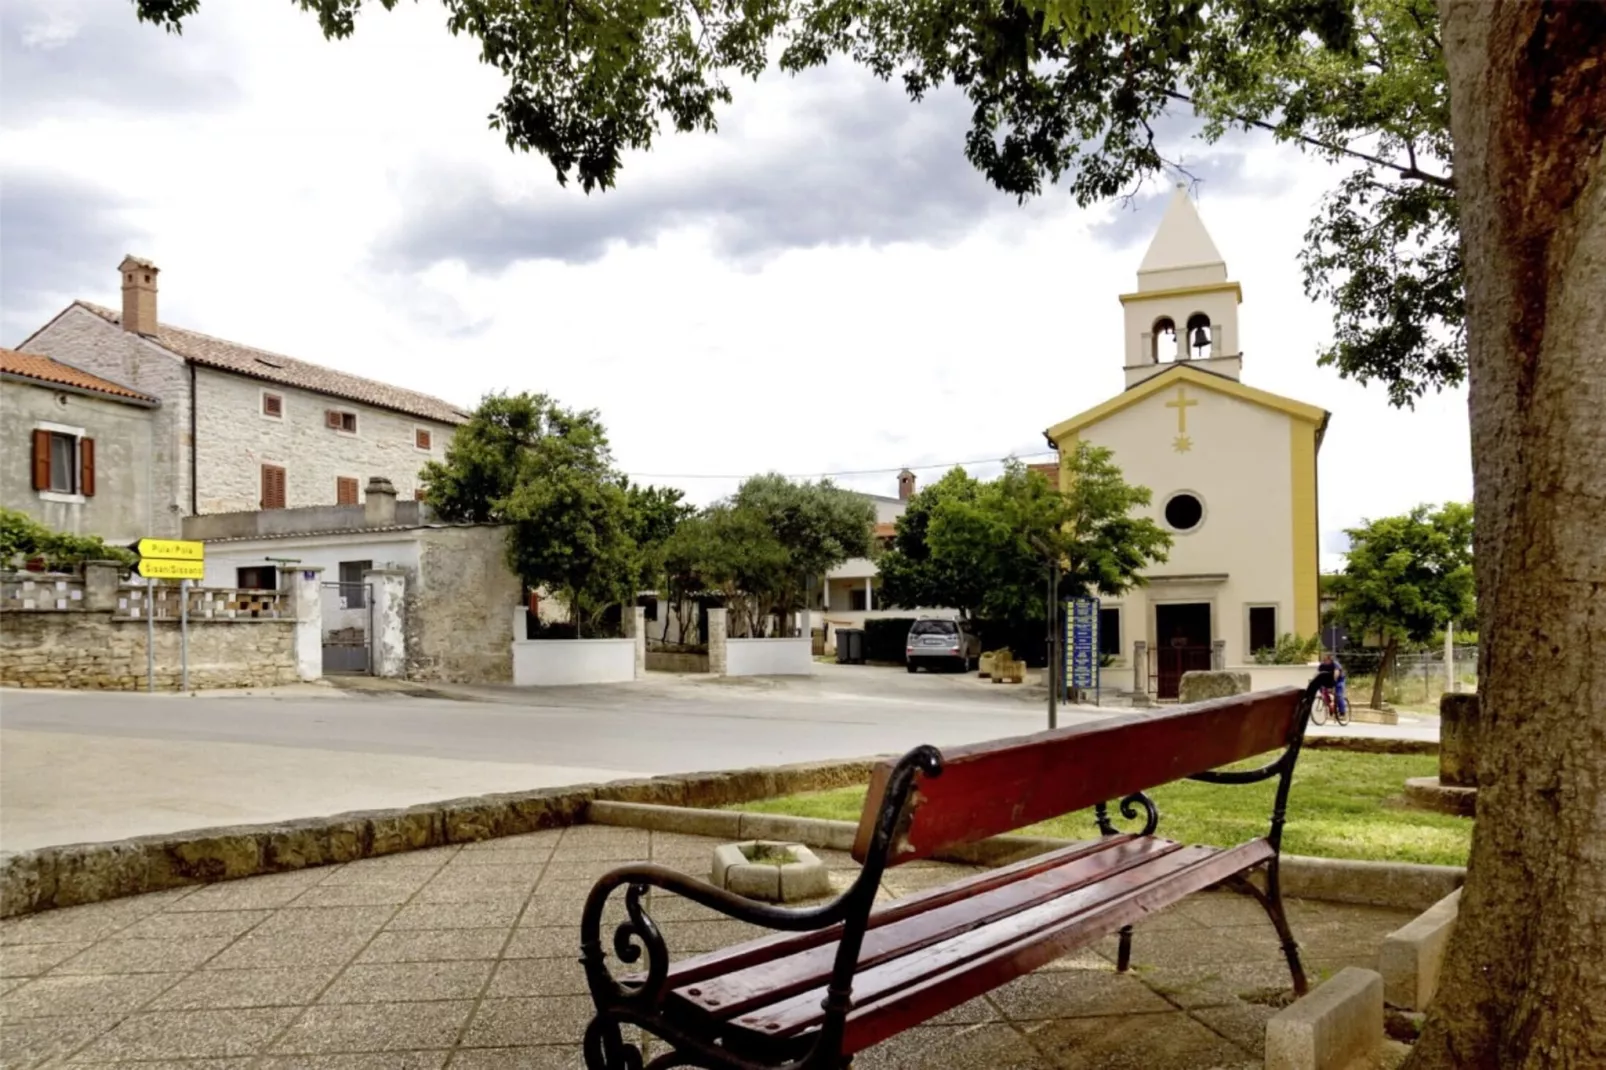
(84, 340)
(236, 440)
(91, 650)
(460, 607)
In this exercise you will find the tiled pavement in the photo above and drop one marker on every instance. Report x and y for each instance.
(466, 957)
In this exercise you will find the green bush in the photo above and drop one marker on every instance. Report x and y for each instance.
(1290, 650)
(885, 638)
(23, 539)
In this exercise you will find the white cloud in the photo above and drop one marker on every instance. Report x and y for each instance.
(270, 208)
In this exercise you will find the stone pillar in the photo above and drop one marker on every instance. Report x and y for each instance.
(635, 625)
(1218, 654)
(307, 598)
(1140, 674)
(387, 621)
(825, 596)
(379, 502)
(869, 593)
(100, 585)
(521, 623)
(1460, 724)
(717, 663)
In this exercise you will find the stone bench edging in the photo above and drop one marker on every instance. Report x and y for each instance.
(75, 874)
(1405, 885)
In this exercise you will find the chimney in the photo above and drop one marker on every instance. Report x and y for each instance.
(139, 295)
(906, 485)
(379, 503)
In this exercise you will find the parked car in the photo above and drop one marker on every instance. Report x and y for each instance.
(949, 643)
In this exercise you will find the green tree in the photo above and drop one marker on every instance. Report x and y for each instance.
(1405, 578)
(654, 515)
(547, 472)
(985, 549)
(24, 539)
(1062, 90)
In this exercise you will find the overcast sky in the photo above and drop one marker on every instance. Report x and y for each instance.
(823, 286)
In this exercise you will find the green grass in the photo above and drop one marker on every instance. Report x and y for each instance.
(1342, 805)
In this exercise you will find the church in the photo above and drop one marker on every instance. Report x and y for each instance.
(1232, 470)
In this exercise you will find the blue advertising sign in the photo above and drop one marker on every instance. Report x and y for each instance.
(1082, 644)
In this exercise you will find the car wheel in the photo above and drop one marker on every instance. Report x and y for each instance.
(912, 668)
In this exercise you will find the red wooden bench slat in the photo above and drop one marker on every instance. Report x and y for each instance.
(734, 993)
(1062, 923)
(871, 1023)
(766, 948)
(991, 788)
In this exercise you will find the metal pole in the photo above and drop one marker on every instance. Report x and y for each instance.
(184, 632)
(150, 635)
(1052, 670)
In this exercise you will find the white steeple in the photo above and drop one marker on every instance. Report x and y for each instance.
(1183, 298)
(1181, 253)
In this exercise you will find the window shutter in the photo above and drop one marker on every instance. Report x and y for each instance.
(86, 467)
(272, 487)
(345, 490)
(41, 460)
(331, 418)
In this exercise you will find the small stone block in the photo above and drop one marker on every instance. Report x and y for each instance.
(1412, 955)
(1336, 1025)
(804, 879)
(1431, 793)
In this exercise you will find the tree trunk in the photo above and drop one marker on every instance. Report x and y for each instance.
(1526, 966)
(1385, 669)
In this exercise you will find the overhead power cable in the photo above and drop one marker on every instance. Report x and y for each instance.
(844, 472)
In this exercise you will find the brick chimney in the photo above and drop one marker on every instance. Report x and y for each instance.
(379, 503)
(906, 485)
(139, 294)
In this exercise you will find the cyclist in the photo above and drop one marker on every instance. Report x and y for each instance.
(1331, 664)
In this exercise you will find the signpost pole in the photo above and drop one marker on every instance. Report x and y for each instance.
(184, 633)
(150, 635)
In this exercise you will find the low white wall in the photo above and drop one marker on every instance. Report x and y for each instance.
(768, 657)
(557, 662)
(1266, 677)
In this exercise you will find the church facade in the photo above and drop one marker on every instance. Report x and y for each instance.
(1232, 470)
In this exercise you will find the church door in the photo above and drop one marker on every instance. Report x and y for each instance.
(1182, 634)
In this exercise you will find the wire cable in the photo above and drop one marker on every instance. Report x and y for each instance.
(843, 472)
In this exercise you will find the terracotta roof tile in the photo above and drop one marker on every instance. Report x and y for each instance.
(1050, 470)
(34, 366)
(272, 367)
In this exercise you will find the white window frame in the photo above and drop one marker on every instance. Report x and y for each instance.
(262, 405)
(77, 434)
(430, 431)
(355, 424)
(1249, 632)
(1204, 512)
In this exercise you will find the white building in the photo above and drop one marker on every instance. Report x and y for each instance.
(240, 428)
(1232, 469)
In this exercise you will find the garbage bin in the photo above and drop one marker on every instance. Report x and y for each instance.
(850, 646)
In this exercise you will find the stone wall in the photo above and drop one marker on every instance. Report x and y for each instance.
(236, 440)
(84, 340)
(459, 606)
(95, 650)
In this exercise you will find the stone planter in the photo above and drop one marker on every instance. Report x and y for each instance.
(772, 872)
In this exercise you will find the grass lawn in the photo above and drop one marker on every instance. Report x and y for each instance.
(1342, 805)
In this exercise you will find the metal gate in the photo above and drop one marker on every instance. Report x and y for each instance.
(348, 622)
(1172, 661)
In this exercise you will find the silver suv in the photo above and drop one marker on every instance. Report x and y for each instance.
(949, 643)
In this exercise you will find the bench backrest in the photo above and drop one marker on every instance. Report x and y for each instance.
(986, 789)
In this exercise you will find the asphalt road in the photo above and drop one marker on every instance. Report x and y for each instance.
(80, 766)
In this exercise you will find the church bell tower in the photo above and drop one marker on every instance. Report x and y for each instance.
(1185, 308)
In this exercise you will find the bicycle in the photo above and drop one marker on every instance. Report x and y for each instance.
(1325, 706)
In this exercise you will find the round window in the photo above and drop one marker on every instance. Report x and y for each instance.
(1183, 512)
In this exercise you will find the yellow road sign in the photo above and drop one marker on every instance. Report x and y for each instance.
(170, 549)
(155, 568)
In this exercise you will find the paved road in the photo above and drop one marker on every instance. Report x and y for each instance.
(89, 766)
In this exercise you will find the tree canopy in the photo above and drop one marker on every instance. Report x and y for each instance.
(985, 548)
(1062, 91)
(1406, 577)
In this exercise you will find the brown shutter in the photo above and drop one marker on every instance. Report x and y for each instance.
(86, 467)
(345, 490)
(272, 487)
(41, 460)
(331, 418)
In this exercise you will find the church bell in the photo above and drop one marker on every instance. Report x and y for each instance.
(1201, 339)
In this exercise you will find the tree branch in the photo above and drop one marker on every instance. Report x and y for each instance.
(1410, 171)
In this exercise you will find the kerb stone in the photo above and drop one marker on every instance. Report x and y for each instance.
(1337, 1025)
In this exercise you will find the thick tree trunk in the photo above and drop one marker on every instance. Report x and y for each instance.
(1526, 969)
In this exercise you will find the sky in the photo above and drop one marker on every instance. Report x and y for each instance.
(823, 286)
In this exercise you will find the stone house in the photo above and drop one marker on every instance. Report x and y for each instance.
(240, 428)
(78, 449)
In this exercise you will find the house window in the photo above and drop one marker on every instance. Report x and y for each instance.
(272, 487)
(353, 588)
(257, 578)
(1110, 632)
(651, 606)
(1262, 628)
(63, 461)
(345, 490)
(340, 421)
(273, 405)
(858, 600)
(422, 438)
(418, 494)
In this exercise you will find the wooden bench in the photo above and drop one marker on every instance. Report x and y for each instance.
(838, 978)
